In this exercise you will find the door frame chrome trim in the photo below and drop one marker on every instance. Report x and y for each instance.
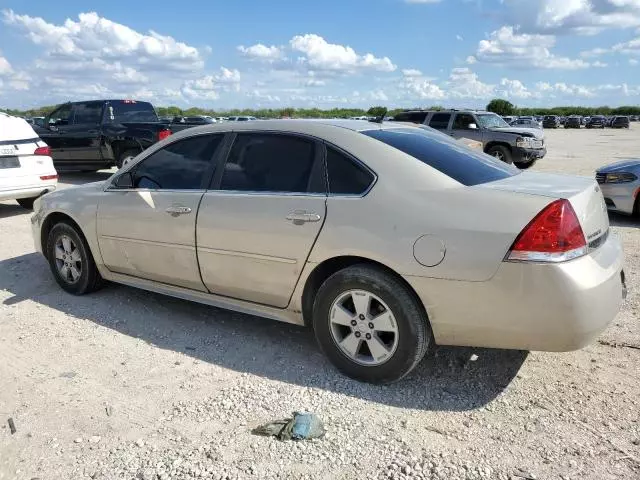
(149, 242)
(255, 256)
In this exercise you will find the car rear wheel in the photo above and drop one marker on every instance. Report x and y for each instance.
(71, 261)
(26, 202)
(501, 153)
(126, 156)
(370, 325)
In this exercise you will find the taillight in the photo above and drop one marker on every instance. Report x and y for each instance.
(554, 235)
(46, 151)
(162, 134)
(48, 177)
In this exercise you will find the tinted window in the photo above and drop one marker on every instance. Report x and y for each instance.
(415, 117)
(440, 121)
(130, 111)
(346, 177)
(462, 121)
(178, 166)
(62, 116)
(87, 113)
(269, 163)
(465, 165)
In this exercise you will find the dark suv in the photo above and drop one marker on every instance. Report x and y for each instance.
(574, 121)
(620, 122)
(551, 121)
(597, 121)
(520, 146)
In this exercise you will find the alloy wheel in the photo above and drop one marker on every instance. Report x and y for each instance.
(68, 259)
(363, 327)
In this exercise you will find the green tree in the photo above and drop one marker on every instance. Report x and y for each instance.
(377, 111)
(501, 107)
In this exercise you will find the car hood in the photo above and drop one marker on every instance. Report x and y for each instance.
(522, 131)
(625, 165)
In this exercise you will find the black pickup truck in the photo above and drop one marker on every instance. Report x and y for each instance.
(99, 134)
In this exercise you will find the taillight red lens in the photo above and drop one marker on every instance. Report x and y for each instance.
(48, 177)
(46, 151)
(554, 235)
(162, 134)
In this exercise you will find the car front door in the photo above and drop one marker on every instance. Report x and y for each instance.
(258, 223)
(52, 135)
(463, 127)
(82, 136)
(148, 230)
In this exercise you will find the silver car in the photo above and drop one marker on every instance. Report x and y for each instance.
(385, 238)
(620, 184)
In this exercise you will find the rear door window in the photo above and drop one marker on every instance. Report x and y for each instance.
(88, 113)
(122, 111)
(463, 164)
(414, 117)
(440, 121)
(269, 163)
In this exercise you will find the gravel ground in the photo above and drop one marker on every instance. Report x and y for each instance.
(125, 384)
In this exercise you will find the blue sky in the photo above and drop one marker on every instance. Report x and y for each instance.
(252, 53)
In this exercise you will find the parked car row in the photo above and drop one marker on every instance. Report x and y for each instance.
(594, 121)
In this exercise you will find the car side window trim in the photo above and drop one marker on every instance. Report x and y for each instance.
(354, 159)
(216, 181)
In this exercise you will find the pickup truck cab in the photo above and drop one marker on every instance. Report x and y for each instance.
(99, 134)
(516, 145)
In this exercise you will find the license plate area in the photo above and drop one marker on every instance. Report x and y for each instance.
(9, 162)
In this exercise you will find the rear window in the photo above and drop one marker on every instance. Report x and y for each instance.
(130, 111)
(465, 165)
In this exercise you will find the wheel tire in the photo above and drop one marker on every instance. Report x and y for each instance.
(126, 156)
(524, 166)
(501, 153)
(26, 202)
(413, 337)
(89, 279)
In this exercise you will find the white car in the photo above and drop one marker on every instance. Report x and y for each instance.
(26, 167)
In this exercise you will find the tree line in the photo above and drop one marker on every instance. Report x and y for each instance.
(499, 106)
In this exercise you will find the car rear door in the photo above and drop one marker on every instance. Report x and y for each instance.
(82, 136)
(258, 223)
(440, 121)
(148, 230)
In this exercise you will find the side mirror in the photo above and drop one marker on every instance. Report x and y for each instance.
(124, 181)
(473, 126)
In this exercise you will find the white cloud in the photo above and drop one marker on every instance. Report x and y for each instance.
(633, 61)
(463, 83)
(261, 52)
(411, 72)
(321, 55)
(209, 86)
(507, 47)
(564, 89)
(93, 36)
(5, 66)
(459, 38)
(573, 16)
(514, 89)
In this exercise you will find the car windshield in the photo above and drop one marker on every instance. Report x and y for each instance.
(463, 164)
(131, 111)
(491, 120)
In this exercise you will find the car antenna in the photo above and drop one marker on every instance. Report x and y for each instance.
(380, 118)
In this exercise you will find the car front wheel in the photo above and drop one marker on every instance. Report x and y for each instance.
(501, 153)
(71, 261)
(370, 325)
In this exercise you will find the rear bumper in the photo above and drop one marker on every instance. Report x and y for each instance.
(28, 191)
(545, 307)
(527, 155)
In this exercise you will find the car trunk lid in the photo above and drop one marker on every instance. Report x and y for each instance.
(583, 193)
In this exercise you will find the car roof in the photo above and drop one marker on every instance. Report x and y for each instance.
(310, 127)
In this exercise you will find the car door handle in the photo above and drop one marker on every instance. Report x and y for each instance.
(301, 216)
(176, 210)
